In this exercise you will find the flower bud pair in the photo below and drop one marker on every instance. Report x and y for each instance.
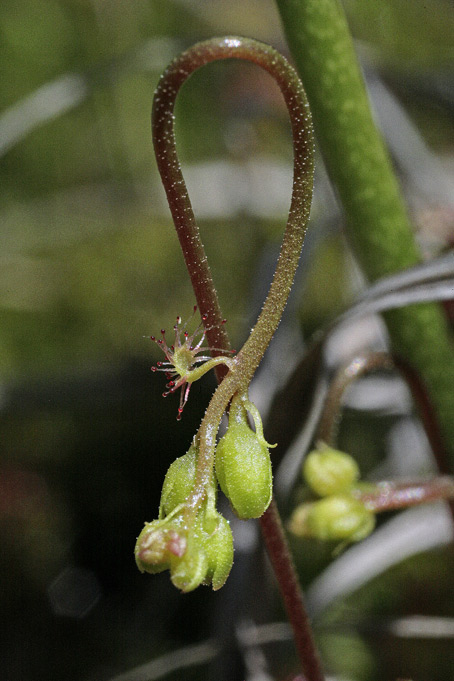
(338, 516)
(243, 465)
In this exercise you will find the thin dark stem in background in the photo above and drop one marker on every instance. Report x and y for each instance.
(359, 365)
(284, 569)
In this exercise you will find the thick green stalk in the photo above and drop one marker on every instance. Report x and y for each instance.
(359, 166)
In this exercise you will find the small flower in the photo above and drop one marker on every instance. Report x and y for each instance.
(183, 357)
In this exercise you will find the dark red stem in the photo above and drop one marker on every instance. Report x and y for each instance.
(284, 569)
(391, 496)
(361, 364)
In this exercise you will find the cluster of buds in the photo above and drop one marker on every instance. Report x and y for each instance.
(197, 553)
(339, 515)
(197, 547)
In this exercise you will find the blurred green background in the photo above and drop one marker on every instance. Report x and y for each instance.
(90, 266)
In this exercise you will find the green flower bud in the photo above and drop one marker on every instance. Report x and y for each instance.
(339, 517)
(328, 471)
(243, 465)
(219, 551)
(202, 554)
(179, 482)
(191, 571)
(209, 557)
(159, 544)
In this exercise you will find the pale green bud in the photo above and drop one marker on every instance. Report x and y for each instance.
(242, 462)
(179, 482)
(328, 471)
(337, 518)
(191, 571)
(243, 469)
(209, 555)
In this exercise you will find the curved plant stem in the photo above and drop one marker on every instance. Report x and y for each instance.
(360, 365)
(249, 357)
(179, 202)
(377, 222)
(247, 360)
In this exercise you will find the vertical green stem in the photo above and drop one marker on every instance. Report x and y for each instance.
(359, 166)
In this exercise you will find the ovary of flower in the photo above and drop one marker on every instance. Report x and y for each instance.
(184, 364)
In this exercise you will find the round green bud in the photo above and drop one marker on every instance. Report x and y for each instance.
(336, 518)
(179, 482)
(328, 471)
(340, 517)
(243, 469)
(219, 551)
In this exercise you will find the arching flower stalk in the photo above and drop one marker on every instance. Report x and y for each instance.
(194, 521)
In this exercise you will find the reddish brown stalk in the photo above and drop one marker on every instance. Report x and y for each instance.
(201, 279)
(391, 496)
(360, 365)
(284, 569)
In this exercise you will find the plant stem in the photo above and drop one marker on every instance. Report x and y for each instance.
(249, 357)
(284, 569)
(391, 496)
(360, 365)
(246, 362)
(357, 161)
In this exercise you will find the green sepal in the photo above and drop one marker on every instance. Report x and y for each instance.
(191, 571)
(219, 551)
